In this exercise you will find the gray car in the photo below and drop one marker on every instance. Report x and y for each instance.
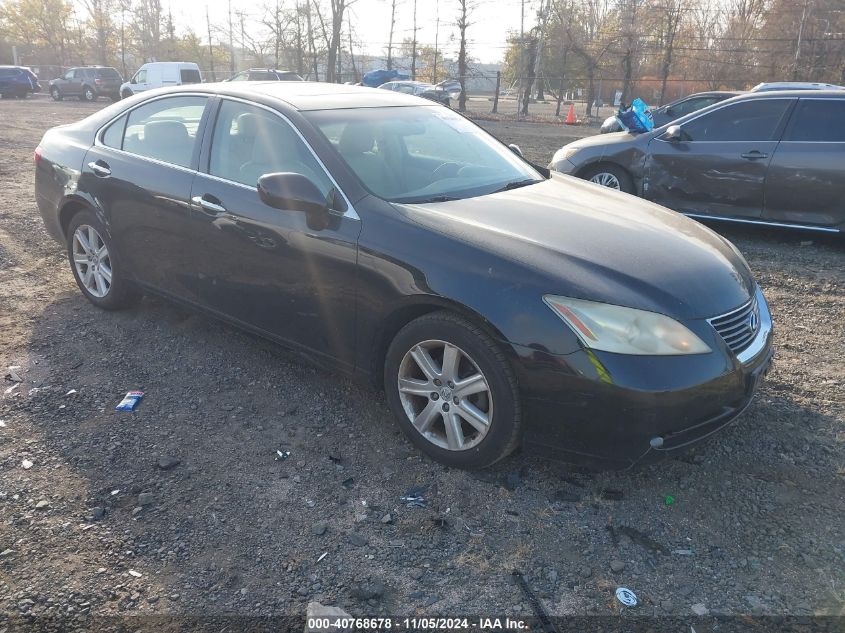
(762, 158)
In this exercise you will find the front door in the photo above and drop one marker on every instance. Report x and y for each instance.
(140, 173)
(805, 183)
(271, 269)
(718, 165)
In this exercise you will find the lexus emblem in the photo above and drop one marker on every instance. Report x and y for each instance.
(752, 322)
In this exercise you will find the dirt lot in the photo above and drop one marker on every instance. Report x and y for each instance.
(183, 507)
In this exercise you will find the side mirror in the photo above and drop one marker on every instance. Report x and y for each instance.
(291, 192)
(515, 149)
(674, 133)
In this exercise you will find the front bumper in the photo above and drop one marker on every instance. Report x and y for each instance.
(607, 410)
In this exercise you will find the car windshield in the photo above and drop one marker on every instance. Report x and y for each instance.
(421, 153)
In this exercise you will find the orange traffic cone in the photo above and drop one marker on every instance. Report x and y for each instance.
(570, 117)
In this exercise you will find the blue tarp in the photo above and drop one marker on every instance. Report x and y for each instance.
(375, 78)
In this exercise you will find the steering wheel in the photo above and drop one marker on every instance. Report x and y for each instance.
(445, 170)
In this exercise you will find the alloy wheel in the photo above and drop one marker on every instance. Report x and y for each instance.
(55, 94)
(445, 395)
(89, 94)
(606, 179)
(91, 260)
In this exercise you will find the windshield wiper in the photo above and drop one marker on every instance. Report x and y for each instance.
(442, 198)
(516, 184)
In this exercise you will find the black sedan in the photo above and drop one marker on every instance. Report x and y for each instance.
(391, 238)
(762, 158)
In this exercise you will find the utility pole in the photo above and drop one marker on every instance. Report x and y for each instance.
(390, 41)
(210, 46)
(414, 47)
(123, 37)
(521, 67)
(231, 43)
(436, 40)
(243, 37)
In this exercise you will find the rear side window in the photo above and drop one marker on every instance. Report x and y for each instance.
(753, 120)
(819, 121)
(7, 73)
(165, 129)
(113, 136)
(190, 76)
(108, 73)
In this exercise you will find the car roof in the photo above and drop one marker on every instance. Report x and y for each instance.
(314, 95)
(794, 85)
(802, 94)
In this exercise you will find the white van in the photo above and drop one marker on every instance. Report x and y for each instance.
(160, 75)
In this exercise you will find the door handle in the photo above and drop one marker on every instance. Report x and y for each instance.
(754, 155)
(212, 208)
(99, 168)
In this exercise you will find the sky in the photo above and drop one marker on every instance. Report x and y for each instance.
(490, 22)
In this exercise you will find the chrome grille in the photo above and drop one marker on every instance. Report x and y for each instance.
(738, 327)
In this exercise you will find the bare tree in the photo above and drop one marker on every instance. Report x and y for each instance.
(338, 7)
(414, 46)
(99, 16)
(673, 13)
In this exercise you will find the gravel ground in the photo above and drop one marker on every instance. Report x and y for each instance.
(184, 507)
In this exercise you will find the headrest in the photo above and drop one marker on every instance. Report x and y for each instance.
(357, 138)
(166, 133)
(247, 124)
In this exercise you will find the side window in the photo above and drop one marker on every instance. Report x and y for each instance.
(141, 77)
(190, 76)
(405, 88)
(240, 77)
(262, 75)
(753, 120)
(818, 120)
(165, 129)
(249, 142)
(113, 136)
(68, 75)
(691, 105)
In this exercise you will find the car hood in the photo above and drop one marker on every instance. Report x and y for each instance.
(582, 240)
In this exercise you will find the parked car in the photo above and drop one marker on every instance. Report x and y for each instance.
(17, 81)
(397, 241)
(418, 88)
(675, 109)
(761, 158)
(376, 78)
(265, 74)
(87, 83)
(161, 75)
(794, 85)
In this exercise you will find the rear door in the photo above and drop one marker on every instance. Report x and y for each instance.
(270, 268)
(73, 83)
(718, 166)
(806, 184)
(140, 172)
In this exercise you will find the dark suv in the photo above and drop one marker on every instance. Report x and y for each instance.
(265, 74)
(87, 83)
(17, 81)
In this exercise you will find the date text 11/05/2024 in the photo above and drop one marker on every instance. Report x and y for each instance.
(329, 624)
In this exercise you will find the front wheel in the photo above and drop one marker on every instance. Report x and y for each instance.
(88, 94)
(452, 391)
(610, 176)
(126, 93)
(95, 265)
(54, 92)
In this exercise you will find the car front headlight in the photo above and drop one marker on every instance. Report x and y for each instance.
(611, 328)
(565, 153)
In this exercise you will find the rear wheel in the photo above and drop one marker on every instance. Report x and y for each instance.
(452, 391)
(610, 176)
(88, 94)
(95, 264)
(54, 92)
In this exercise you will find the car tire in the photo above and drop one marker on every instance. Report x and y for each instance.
(54, 92)
(126, 93)
(443, 414)
(98, 273)
(610, 176)
(88, 94)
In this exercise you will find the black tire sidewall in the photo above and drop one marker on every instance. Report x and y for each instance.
(121, 292)
(56, 93)
(506, 409)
